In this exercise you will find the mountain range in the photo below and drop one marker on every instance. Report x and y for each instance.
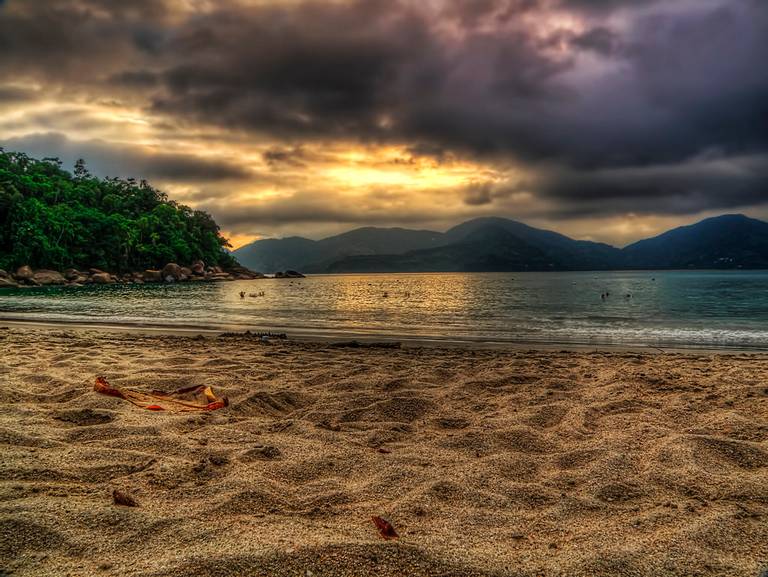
(499, 244)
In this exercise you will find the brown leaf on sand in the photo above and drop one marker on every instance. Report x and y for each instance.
(194, 398)
(125, 499)
(385, 528)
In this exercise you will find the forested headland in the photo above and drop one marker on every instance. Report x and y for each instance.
(53, 219)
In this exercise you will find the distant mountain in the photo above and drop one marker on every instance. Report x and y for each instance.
(499, 244)
(491, 244)
(728, 241)
(271, 255)
(489, 249)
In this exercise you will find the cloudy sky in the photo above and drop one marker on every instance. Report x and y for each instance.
(604, 119)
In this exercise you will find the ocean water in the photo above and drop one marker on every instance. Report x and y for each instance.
(704, 309)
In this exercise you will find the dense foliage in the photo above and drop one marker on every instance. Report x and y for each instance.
(50, 218)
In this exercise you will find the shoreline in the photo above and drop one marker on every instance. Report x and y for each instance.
(303, 335)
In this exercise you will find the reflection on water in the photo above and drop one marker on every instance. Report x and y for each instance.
(654, 308)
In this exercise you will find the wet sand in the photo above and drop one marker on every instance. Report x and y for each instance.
(487, 462)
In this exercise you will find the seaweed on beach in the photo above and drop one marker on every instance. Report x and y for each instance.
(253, 335)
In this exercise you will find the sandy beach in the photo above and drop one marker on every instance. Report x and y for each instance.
(486, 462)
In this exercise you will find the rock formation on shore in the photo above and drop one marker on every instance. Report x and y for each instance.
(170, 273)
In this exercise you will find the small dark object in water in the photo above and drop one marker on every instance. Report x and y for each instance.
(386, 530)
(124, 499)
(359, 345)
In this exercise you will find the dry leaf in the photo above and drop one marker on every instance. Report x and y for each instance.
(386, 530)
(125, 499)
(194, 398)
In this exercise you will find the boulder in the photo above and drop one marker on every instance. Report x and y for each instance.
(46, 277)
(71, 274)
(171, 270)
(24, 273)
(102, 278)
(187, 272)
(198, 268)
(95, 270)
(293, 274)
(218, 269)
(82, 279)
(153, 276)
(7, 283)
(221, 276)
(3, 274)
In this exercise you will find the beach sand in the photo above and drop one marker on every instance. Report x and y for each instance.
(486, 462)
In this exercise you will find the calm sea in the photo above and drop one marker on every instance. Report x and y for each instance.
(664, 309)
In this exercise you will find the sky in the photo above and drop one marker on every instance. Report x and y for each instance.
(608, 120)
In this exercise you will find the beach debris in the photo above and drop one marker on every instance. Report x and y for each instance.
(188, 399)
(125, 499)
(385, 528)
(254, 335)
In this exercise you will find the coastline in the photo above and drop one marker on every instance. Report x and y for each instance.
(300, 335)
(488, 462)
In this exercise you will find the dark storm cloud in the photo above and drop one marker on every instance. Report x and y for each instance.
(104, 159)
(702, 185)
(319, 71)
(656, 85)
(599, 39)
(15, 95)
(376, 72)
(278, 156)
(72, 42)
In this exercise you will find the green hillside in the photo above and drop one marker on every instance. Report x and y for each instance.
(50, 218)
